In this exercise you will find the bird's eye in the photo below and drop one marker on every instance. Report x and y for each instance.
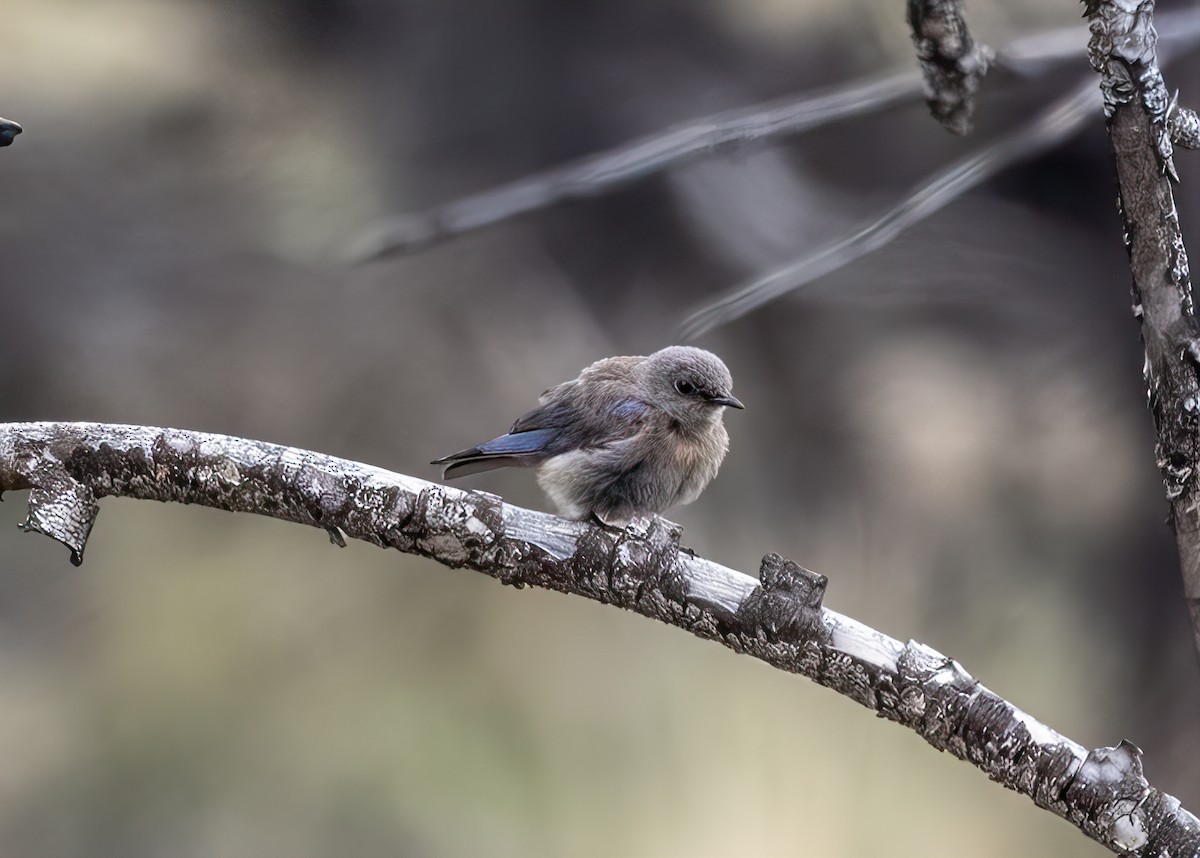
(685, 387)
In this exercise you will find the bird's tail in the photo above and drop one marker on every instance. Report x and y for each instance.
(519, 449)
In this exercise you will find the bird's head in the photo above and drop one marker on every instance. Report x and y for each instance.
(690, 384)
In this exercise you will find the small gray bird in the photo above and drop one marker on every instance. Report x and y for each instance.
(630, 437)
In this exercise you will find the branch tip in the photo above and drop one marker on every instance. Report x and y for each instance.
(952, 64)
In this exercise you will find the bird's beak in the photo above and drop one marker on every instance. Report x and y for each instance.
(731, 401)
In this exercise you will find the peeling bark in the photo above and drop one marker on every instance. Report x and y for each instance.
(778, 618)
(1138, 110)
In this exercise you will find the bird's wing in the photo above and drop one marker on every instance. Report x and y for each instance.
(591, 415)
(595, 410)
(555, 410)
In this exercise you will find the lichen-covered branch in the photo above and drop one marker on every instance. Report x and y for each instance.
(952, 63)
(1138, 107)
(778, 617)
(8, 131)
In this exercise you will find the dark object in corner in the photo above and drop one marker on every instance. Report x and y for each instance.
(8, 131)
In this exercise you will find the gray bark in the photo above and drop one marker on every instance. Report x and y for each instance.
(952, 63)
(778, 617)
(1138, 108)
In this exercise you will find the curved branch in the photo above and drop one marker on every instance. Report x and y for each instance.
(777, 618)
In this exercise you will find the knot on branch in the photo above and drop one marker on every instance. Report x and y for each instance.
(1122, 30)
(787, 603)
(637, 562)
(952, 64)
(1173, 396)
(1122, 50)
(643, 558)
(927, 686)
(1108, 794)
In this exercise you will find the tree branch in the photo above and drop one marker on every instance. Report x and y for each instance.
(1058, 123)
(952, 64)
(1137, 107)
(777, 618)
(604, 171)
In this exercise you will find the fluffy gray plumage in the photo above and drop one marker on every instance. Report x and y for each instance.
(632, 436)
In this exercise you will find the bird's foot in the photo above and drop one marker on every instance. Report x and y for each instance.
(612, 522)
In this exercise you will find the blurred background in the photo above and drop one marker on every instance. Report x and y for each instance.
(952, 429)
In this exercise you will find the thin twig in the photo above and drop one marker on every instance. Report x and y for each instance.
(605, 171)
(600, 173)
(1057, 125)
(778, 618)
(952, 63)
(1064, 119)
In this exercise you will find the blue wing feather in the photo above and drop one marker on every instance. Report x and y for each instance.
(533, 441)
(521, 448)
(630, 409)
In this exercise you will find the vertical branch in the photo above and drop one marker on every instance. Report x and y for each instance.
(1138, 107)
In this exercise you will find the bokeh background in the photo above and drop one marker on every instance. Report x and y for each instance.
(952, 429)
